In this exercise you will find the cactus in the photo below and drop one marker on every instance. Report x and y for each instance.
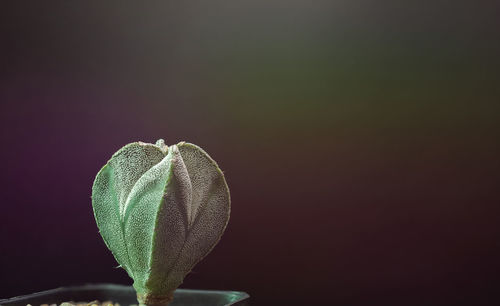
(160, 210)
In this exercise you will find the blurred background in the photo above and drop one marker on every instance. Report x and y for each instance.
(360, 141)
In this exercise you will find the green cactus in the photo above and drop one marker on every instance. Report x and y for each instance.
(160, 210)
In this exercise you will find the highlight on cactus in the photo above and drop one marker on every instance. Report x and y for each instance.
(160, 209)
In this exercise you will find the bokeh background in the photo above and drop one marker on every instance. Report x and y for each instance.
(360, 140)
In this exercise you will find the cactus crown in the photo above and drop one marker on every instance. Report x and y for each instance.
(160, 210)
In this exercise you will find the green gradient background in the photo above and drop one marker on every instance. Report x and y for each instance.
(359, 139)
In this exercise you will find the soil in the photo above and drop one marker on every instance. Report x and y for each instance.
(93, 303)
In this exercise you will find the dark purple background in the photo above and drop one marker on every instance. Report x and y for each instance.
(359, 140)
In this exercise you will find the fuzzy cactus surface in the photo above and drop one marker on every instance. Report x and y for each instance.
(160, 209)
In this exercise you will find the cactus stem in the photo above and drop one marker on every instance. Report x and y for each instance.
(154, 300)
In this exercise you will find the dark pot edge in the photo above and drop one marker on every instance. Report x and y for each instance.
(241, 296)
